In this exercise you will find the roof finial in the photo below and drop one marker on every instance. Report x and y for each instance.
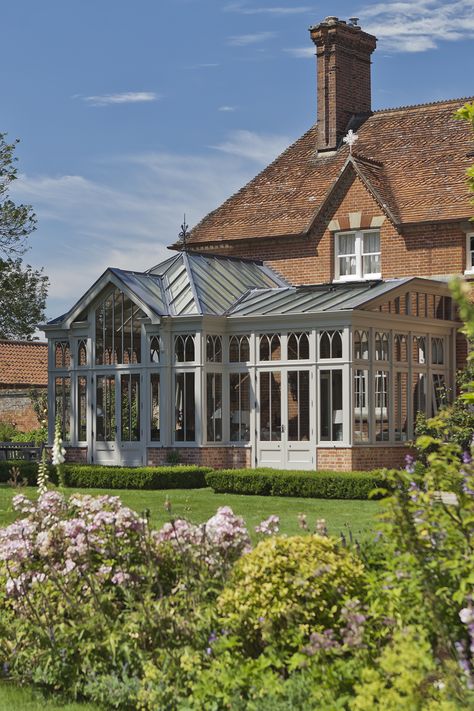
(184, 232)
(350, 139)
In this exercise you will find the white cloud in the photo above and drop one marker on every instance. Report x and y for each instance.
(128, 217)
(278, 11)
(245, 40)
(418, 26)
(126, 97)
(301, 52)
(254, 146)
(227, 109)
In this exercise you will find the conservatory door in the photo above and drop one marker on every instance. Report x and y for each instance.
(104, 434)
(284, 438)
(129, 417)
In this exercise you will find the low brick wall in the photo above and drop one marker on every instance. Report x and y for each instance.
(74, 455)
(361, 458)
(216, 457)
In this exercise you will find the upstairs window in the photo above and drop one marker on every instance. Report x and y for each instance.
(357, 255)
(470, 253)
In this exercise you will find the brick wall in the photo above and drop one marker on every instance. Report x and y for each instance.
(217, 457)
(15, 407)
(74, 455)
(361, 458)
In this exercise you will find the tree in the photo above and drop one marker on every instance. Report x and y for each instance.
(23, 290)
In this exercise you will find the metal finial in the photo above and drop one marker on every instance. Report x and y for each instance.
(184, 232)
(350, 139)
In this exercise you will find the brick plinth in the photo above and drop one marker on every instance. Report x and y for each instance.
(361, 458)
(76, 455)
(217, 457)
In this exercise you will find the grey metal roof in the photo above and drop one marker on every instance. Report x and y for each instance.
(311, 299)
(187, 284)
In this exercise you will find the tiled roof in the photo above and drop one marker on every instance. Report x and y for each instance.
(23, 363)
(414, 157)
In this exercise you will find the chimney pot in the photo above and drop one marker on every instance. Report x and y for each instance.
(353, 21)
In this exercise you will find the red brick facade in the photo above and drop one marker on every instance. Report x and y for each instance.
(217, 457)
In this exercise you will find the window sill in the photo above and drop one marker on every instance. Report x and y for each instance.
(369, 277)
(469, 272)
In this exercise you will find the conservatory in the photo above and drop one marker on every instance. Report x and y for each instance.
(220, 361)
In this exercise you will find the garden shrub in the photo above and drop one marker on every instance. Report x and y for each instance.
(165, 477)
(88, 476)
(288, 588)
(318, 485)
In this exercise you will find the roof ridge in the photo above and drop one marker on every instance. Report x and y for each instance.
(426, 104)
(19, 342)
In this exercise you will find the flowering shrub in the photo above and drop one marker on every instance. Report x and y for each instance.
(288, 588)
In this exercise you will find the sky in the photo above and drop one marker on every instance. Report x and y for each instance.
(131, 113)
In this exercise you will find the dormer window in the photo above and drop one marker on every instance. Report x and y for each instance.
(357, 255)
(470, 253)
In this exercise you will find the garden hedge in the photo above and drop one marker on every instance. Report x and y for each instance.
(317, 484)
(82, 476)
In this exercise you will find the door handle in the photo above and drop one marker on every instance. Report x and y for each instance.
(282, 428)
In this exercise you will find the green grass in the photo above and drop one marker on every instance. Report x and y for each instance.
(13, 698)
(199, 504)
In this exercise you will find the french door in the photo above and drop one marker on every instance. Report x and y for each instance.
(284, 424)
(117, 433)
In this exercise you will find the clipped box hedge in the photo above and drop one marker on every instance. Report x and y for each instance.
(317, 484)
(86, 476)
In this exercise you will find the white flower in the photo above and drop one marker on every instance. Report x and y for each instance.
(467, 615)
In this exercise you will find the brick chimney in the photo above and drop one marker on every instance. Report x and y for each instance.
(343, 64)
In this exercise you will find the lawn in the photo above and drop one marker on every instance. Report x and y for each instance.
(13, 698)
(199, 504)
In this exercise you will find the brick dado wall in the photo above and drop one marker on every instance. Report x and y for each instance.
(15, 408)
(216, 457)
(420, 250)
(74, 455)
(361, 458)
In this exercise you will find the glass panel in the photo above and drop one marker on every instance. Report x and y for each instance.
(136, 335)
(155, 349)
(381, 346)
(371, 243)
(361, 418)
(184, 348)
(214, 349)
(346, 253)
(99, 335)
(371, 264)
(62, 354)
(381, 406)
(118, 327)
(82, 353)
(130, 408)
(155, 407)
(401, 407)
(298, 405)
(401, 348)
(419, 349)
(270, 406)
(108, 331)
(331, 414)
(270, 347)
(324, 345)
(239, 403)
(437, 351)
(438, 393)
(361, 345)
(336, 346)
(184, 408)
(214, 407)
(239, 349)
(418, 394)
(82, 409)
(105, 408)
(62, 412)
(298, 346)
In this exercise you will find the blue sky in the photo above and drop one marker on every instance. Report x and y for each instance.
(130, 113)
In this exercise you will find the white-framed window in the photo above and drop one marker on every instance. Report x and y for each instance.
(357, 255)
(469, 253)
